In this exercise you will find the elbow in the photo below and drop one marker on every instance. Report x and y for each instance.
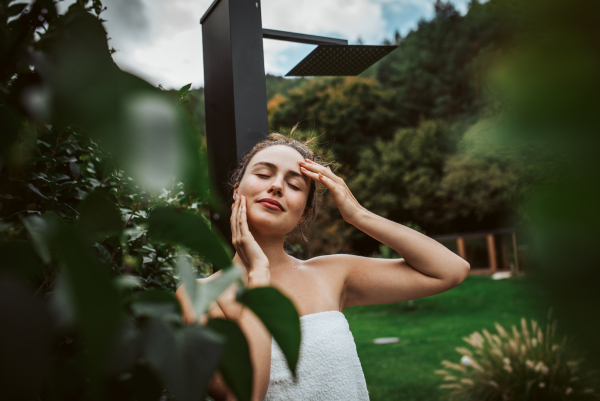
(463, 271)
(460, 272)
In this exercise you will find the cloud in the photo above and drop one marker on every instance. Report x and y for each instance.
(126, 18)
(161, 41)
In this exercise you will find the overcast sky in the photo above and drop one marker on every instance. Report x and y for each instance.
(161, 40)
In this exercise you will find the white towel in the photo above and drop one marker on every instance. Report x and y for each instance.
(328, 368)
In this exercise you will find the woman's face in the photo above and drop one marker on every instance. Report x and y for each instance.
(275, 190)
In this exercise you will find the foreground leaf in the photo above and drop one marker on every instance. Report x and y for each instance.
(201, 356)
(35, 227)
(235, 364)
(98, 217)
(161, 352)
(167, 224)
(278, 314)
(207, 292)
(97, 301)
(25, 341)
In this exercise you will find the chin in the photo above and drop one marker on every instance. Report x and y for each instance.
(265, 222)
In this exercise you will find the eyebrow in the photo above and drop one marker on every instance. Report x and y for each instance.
(274, 167)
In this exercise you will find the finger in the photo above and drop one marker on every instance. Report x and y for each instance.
(317, 168)
(312, 175)
(309, 174)
(328, 182)
(240, 213)
(234, 220)
(244, 218)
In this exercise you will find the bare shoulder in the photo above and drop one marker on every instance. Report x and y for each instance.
(336, 267)
(341, 262)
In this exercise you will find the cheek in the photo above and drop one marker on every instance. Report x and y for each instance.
(298, 202)
(251, 186)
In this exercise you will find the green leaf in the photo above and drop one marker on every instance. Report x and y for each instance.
(97, 301)
(11, 123)
(35, 227)
(187, 276)
(201, 356)
(61, 303)
(155, 303)
(207, 292)
(98, 217)
(36, 191)
(184, 89)
(202, 294)
(103, 253)
(190, 230)
(128, 282)
(19, 258)
(161, 352)
(278, 314)
(235, 364)
(26, 339)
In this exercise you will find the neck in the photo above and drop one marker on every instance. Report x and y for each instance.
(272, 246)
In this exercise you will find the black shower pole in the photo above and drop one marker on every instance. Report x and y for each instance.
(234, 91)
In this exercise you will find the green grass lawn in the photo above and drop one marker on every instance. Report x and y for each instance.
(432, 330)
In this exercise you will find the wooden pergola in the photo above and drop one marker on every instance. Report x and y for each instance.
(489, 236)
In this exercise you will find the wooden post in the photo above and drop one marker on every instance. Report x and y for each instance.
(460, 244)
(514, 240)
(505, 254)
(491, 246)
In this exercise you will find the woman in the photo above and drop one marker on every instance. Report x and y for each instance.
(274, 194)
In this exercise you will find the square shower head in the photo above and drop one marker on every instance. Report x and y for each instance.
(339, 60)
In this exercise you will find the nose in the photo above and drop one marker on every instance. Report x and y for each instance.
(276, 187)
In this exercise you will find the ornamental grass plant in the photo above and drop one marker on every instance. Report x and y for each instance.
(528, 363)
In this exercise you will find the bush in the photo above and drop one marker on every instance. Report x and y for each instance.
(103, 191)
(528, 363)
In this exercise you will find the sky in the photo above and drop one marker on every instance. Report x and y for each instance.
(161, 40)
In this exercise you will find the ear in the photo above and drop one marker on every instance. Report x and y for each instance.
(235, 189)
(306, 210)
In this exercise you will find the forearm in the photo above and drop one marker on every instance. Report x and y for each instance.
(257, 336)
(420, 252)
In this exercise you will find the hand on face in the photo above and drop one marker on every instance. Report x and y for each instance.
(344, 200)
(242, 239)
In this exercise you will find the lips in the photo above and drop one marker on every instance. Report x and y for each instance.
(271, 204)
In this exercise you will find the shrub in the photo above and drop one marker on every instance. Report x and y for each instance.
(526, 363)
(102, 186)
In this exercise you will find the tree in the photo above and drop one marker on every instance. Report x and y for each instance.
(424, 176)
(436, 71)
(349, 113)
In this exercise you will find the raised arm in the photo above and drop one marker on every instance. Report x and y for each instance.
(427, 267)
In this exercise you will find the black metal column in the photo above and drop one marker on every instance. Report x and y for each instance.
(234, 90)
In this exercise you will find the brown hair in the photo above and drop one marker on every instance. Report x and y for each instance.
(302, 147)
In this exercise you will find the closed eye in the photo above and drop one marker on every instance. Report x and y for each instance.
(295, 188)
(263, 175)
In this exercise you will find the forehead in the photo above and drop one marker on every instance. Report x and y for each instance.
(281, 155)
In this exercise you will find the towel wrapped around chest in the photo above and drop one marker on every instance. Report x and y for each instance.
(328, 368)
